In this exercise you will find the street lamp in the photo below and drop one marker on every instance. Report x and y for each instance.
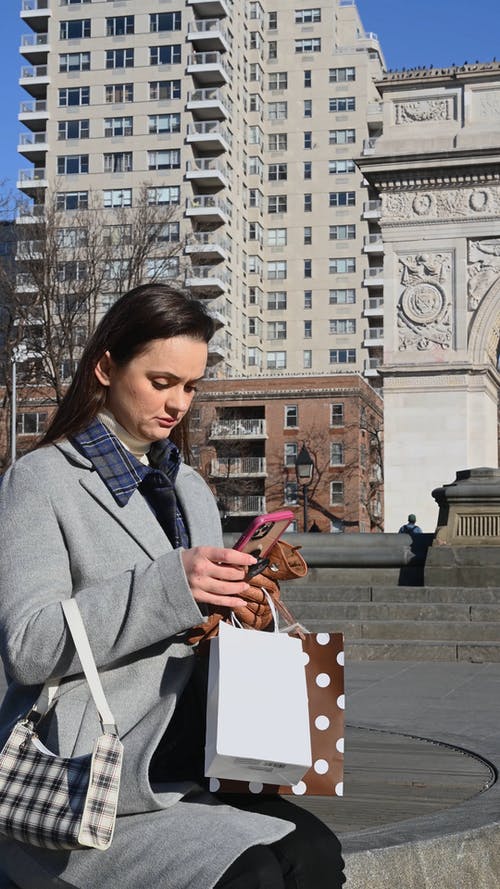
(304, 470)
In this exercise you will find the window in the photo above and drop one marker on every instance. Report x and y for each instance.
(255, 232)
(116, 235)
(290, 453)
(291, 493)
(164, 160)
(276, 299)
(71, 2)
(291, 416)
(116, 269)
(254, 198)
(118, 126)
(277, 237)
(307, 170)
(165, 89)
(254, 296)
(164, 123)
(307, 16)
(72, 200)
(272, 21)
(308, 299)
(342, 137)
(278, 80)
(74, 29)
(342, 232)
(255, 327)
(341, 166)
(278, 142)
(167, 233)
(255, 73)
(343, 325)
(118, 162)
(165, 21)
(308, 79)
(342, 356)
(71, 238)
(255, 102)
(277, 203)
(255, 11)
(337, 414)
(277, 111)
(119, 92)
(160, 268)
(118, 25)
(336, 453)
(255, 265)
(73, 129)
(255, 41)
(68, 164)
(307, 359)
(309, 44)
(72, 270)
(346, 103)
(276, 270)
(307, 329)
(342, 198)
(165, 195)
(276, 330)
(254, 357)
(74, 95)
(74, 61)
(308, 108)
(342, 265)
(255, 166)
(342, 296)
(117, 197)
(32, 423)
(336, 493)
(272, 49)
(308, 234)
(119, 58)
(170, 54)
(307, 268)
(276, 360)
(307, 139)
(277, 172)
(308, 203)
(255, 135)
(341, 75)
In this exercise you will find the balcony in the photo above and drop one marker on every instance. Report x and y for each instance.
(370, 367)
(35, 80)
(33, 146)
(207, 208)
(209, 245)
(209, 103)
(373, 307)
(209, 135)
(238, 467)
(27, 250)
(217, 350)
(207, 280)
(373, 277)
(208, 68)
(242, 428)
(30, 181)
(374, 336)
(34, 114)
(211, 8)
(372, 209)
(249, 505)
(373, 243)
(30, 213)
(209, 172)
(36, 13)
(34, 47)
(209, 35)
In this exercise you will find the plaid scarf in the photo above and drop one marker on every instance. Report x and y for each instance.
(122, 473)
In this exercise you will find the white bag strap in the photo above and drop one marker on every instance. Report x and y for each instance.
(84, 651)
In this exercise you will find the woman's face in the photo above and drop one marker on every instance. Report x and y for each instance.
(150, 395)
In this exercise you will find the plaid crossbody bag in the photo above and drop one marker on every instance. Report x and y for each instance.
(56, 802)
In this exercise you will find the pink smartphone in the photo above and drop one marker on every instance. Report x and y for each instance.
(263, 531)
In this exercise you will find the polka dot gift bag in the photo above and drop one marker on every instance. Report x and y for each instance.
(324, 668)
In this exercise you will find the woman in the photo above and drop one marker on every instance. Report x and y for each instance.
(104, 510)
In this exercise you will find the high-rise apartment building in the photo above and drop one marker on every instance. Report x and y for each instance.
(246, 118)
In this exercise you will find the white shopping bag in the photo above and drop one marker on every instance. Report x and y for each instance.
(257, 707)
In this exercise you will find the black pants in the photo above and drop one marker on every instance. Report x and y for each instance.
(308, 858)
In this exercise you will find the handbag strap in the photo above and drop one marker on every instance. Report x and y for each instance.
(79, 635)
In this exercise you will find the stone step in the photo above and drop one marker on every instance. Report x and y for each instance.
(452, 631)
(299, 591)
(441, 611)
(414, 650)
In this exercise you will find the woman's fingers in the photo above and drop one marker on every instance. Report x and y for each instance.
(216, 574)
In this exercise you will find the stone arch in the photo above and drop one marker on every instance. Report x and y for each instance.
(484, 334)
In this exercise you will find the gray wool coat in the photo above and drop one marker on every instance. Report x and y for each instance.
(64, 535)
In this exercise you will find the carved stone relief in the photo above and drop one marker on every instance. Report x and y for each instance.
(425, 308)
(424, 110)
(487, 105)
(483, 269)
(441, 204)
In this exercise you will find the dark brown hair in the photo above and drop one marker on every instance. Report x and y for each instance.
(146, 313)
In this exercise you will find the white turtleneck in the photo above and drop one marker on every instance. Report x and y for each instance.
(136, 446)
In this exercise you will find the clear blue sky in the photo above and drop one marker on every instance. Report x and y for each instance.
(411, 32)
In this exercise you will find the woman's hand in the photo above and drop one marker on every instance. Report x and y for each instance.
(216, 575)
